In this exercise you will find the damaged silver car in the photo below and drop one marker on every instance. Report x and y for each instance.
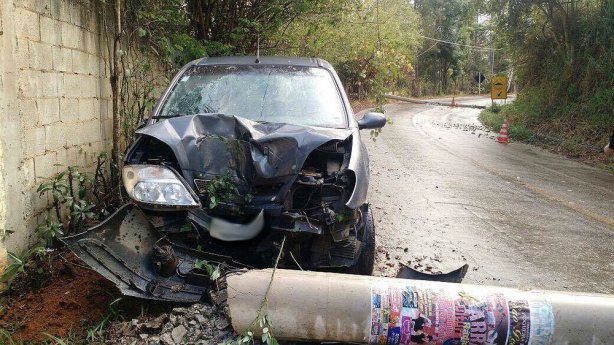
(239, 153)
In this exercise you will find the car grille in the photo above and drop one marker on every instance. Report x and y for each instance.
(201, 185)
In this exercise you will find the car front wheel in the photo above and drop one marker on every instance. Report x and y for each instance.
(366, 260)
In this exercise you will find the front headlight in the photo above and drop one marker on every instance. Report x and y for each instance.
(157, 186)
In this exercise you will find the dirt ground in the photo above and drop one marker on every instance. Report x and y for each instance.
(71, 298)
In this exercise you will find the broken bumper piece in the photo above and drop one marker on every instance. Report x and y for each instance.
(127, 250)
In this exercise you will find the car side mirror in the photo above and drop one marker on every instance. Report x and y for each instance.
(372, 121)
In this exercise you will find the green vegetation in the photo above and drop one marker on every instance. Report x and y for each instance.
(77, 199)
(7, 339)
(447, 68)
(212, 271)
(493, 117)
(563, 53)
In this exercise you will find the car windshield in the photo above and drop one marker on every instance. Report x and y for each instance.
(287, 94)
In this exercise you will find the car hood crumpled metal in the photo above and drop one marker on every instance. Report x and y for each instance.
(215, 144)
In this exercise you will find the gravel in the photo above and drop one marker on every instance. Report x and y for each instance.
(197, 324)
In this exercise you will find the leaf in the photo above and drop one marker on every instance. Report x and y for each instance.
(187, 227)
(212, 202)
(57, 340)
(215, 274)
(141, 32)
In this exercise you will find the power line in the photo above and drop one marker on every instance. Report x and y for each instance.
(431, 47)
(459, 44)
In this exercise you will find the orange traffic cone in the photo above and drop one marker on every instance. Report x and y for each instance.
(453, 104)
(504, 136)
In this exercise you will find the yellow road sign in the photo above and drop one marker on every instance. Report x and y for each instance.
(498, 88)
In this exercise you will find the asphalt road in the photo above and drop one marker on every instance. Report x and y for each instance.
(444, 193)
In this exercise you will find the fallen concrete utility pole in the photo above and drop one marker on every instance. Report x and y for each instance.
(444, 104)
(314, 306)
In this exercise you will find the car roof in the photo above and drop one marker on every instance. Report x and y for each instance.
(263, 60)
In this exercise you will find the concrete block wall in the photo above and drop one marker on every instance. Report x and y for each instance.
(55, 102)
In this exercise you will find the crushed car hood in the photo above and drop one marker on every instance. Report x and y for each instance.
(208, 145)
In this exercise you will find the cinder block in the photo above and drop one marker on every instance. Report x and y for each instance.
(87, 110)
(40, 56)
(105, 91)
(27, 85)
(56, 9)
(28, 113)
(22, 54)
(37, 204)
(77, 14)
(27, 171)
(74, 131)
(62, 60)
(40, 6)
(53, 82)
(61, 160)
(91, 22)
(27, 24)
(56, 136)
(69, 109)
(48, 110)
(61, 10)
(44, 165)
(34, 141)
(90, 42)
(71, 36)
(102, 107)
(73, 156)
(36, 84)
(90, 86)
(76, 85)
(89, 131)
(80, 62)
(51, 31)
(93, 66)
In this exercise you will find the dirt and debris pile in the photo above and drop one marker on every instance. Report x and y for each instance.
(196, 324)
(71, 296)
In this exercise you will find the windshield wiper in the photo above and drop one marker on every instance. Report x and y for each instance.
(160, 117)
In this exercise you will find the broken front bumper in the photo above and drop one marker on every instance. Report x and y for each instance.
(127, 250)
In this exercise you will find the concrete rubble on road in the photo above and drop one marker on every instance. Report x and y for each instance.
(196, 324)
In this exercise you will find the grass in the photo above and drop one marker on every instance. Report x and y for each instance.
(492, 118)
(7, 339)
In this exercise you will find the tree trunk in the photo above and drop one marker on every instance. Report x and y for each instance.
(115, 75)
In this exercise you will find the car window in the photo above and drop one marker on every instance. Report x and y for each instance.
(286, 94)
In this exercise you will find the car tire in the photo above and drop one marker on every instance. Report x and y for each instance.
(366, 261)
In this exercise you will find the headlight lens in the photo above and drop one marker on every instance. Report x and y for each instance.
(156, 185)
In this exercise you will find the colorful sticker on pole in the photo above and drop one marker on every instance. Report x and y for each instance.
(409, 315)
